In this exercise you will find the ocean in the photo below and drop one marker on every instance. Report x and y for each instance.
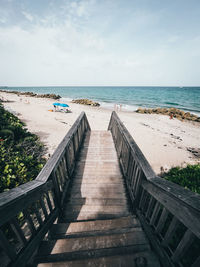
(185, 98)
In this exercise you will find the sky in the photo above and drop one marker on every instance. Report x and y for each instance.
(99, 42)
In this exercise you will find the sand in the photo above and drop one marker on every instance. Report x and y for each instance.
(165, 143)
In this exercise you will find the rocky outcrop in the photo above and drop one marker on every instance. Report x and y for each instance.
(52, 96)
(86, 102)
(172, 112)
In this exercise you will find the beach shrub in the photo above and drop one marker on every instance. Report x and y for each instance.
(188, 177)
(21, 152)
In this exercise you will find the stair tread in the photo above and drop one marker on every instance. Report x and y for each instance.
(132, 238)
(112, 186)
(98, 194)
(98, 177)
(97, 201)
(94, 208)
(98, 225)
(74, 216)
(100, 189)
(128, 260)
(97, 180)
(59, 235)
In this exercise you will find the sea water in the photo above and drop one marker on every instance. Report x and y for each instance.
(130, 98)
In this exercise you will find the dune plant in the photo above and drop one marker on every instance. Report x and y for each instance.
(21, 152)
(188, 177)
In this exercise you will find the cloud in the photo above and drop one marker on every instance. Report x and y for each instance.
(87, 43)
(28, 16)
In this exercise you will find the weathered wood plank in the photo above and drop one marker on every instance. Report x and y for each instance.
(128, 260)
(63, 245)
(78, 180)
(162, 220)
(20, 199)
(59, 152)
(24, 257)
(175, 203)
(142, 162)
(150, 207)
(184, 244)
(85, 216)
(98, 194)
(163, 256)
(170, 232)
(18, 231)
(95, 208)
(94, 226)
(7, 247)
(100, 189)
(98, 201)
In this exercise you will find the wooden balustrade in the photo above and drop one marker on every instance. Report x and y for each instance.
(27, 212)
(170, 214)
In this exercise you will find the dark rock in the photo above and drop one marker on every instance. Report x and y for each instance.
(172, 112)
(52, 96)
(195, 151)
(86, 102)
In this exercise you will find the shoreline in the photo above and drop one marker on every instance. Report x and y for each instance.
(108, 104)
(164, 142)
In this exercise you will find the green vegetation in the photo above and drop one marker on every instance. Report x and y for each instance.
(188, 177)
(21, 153)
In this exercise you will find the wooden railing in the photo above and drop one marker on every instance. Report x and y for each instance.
(27, 212)
(170, 214)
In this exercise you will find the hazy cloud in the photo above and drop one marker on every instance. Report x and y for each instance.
(92, 42)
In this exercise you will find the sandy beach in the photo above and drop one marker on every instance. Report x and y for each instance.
(164, 142)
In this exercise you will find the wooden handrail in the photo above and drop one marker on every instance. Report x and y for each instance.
(27, 212)
(170, 214)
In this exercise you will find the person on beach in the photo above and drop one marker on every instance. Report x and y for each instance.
(171, 116)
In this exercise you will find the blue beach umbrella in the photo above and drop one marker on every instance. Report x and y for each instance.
(61, 105)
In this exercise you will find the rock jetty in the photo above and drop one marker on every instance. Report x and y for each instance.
(52, 96)
(172, 112)
(86, 102)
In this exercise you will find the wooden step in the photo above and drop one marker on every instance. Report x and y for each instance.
(56, 235)
(102, 192)
(100, 165)
(92, 215)
(61, 230)
(141, 259)
(93, 246)
(99, 149)
(98, 177)
(100, 180)
(95, 150)
(98, 143)
(92, 172)
(96, 193)
(97, 201)
(97, 159)
(95, 208)
(92, 186)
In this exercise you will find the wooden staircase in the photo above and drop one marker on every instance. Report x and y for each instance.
(97, 227)
(76, 212)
